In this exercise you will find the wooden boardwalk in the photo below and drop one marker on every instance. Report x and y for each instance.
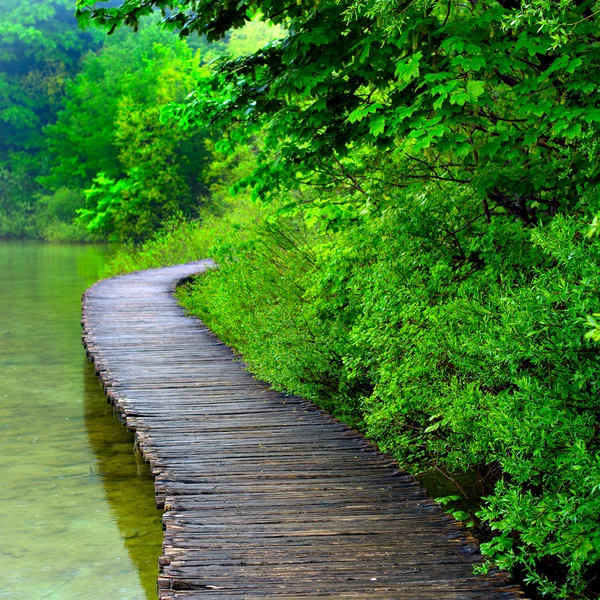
(264, 495)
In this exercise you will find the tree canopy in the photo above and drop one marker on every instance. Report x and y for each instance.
(109, 141)
(79, 111)
(497, 97)
(40, 48)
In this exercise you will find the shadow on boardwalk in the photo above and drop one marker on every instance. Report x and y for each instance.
(264, 495)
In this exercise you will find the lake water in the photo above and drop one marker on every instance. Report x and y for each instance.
(77, 514)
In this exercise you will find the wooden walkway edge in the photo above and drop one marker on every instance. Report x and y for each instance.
(264, 495)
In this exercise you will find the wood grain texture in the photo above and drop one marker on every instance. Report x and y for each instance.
(264, 495)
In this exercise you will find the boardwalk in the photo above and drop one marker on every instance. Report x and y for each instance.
(264, 495)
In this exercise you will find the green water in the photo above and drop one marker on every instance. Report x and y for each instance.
(77, 513)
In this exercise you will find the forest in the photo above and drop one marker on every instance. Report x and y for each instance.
(83, 155)
(402, 198)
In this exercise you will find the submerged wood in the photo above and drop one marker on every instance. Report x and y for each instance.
(264, 495)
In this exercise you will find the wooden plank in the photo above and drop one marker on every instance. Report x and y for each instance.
(265, 495)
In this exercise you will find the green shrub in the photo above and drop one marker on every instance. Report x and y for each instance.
(473, 360)
(61, 204)
(457, 348)
(181, 241)
(257, 303)
(59, 231)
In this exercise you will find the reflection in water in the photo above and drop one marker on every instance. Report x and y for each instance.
(128, 483)
(66, 531)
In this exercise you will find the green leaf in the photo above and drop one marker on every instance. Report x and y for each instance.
(408, 68)
(377, 125)
(475, 88)
(362, 111)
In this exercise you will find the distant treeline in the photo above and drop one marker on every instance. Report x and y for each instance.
(83, 154)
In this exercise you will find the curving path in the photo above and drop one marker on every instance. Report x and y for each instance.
(264, 495)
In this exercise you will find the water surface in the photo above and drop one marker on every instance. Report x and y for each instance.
(77, 513)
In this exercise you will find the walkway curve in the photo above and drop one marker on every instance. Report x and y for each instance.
(264, 495)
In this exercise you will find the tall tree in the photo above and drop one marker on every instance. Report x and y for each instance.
(40, 49)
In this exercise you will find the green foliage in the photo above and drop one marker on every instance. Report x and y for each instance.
(77, 107)
(40, 47)
(270, 323)
(440, 363)
(426, 269)
(238, 42)
(62, 204)
(109, 139)
(559, 20)
(51, 217)
(106, 197)
(445, 88)
(16, 204)
(128, 70)
(181, 241)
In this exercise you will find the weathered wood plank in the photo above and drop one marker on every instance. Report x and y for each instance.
(264, 495)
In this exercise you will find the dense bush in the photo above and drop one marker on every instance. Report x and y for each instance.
(180, 240)
(463, 362)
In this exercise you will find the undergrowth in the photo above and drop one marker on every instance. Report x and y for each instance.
(463, 354)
